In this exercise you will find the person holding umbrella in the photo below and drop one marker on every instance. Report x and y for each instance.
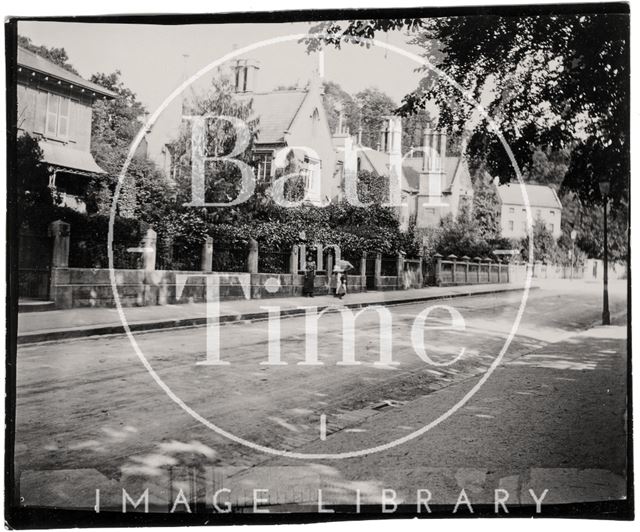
(340, 270)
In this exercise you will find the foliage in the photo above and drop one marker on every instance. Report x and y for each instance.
(294, 186)
(547, 166)
(486, 208)
(115, 124)
(374, 106)
(372, 187)
(554, 80)
(335, 98)
(413, 127)
(55, 55)
(460, 236)
(587, 220)
(89, 240)
(354, 229)
(559, 91)
(34, 200)
(333, 32)
(545, 247)
(222, 183)
(367, 109)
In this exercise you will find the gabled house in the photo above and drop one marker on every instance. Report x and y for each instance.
(433, 184)
(55, 106)
(291, 119)
(543, 201)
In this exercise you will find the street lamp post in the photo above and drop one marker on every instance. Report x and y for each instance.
(574, 234)
(606, 317)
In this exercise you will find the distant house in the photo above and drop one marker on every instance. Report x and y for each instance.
(55, 106)
(434, 184)
(543, 201)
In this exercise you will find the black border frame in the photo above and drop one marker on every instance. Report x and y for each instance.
(17, 517)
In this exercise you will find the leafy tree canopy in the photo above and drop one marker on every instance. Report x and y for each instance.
(55, 55)
(551, 81)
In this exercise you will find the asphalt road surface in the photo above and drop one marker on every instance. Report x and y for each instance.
(552, 416)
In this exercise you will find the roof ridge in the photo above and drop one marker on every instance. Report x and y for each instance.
(48, 67)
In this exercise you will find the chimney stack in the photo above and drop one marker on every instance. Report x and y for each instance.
(245, 74)
(384, 131)
(434, 150)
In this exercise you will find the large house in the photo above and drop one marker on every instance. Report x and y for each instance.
(289, 120)
(55, 106)
(433, 183)
(543, 202)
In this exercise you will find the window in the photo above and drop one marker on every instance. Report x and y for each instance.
(510, 225)
(511, 210)
(58, 112)
(524, 226)
(552, 213)
(264, 160)
(538, 213)
(551, 226)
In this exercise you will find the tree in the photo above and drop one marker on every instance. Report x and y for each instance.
(55, 55)
(115, 123)
(223, 179)
(547, 166)
(545, 247)
(486, 208)
(413, 127)
(374, 106)
(554, 79)
(586, 219)
(34, 199)
(459, 236)
(335, 100)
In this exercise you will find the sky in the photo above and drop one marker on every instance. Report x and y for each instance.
(155, 59)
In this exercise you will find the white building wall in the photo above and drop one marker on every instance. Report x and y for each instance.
(513, 220)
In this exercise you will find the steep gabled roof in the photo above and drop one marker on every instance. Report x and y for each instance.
(32, 61)
(538, 195)
(276, 111)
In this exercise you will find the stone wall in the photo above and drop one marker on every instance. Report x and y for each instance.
(87, 287)
(387, 282)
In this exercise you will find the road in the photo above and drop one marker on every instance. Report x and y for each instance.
(90, 416)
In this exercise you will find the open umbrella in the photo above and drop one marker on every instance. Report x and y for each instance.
(344, 265)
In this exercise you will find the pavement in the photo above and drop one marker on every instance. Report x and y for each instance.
(53, 325)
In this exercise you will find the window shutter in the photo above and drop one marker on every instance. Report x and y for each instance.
(40, 114)
(52, 114)
(63, 117)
